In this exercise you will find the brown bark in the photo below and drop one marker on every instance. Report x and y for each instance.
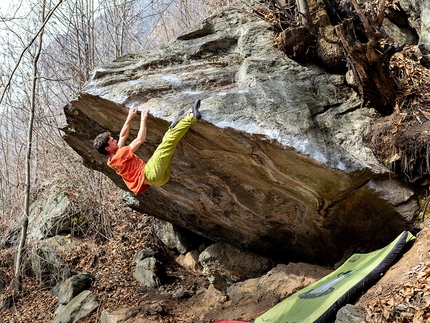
(370, 60)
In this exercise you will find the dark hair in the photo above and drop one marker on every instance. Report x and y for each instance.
(101, 142)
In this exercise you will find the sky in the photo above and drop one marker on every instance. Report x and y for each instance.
(5, 4)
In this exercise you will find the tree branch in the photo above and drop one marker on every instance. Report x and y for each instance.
(26, 48)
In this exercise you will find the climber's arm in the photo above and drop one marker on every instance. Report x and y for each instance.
(141, 136)
(123, 135)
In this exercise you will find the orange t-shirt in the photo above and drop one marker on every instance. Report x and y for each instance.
(130, 168)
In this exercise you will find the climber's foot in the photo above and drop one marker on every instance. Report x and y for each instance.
(177, 119)
(195, 110)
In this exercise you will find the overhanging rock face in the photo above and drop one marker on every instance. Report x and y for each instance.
(275, 166)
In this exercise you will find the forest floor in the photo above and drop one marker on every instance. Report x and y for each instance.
(184, 297)
(401, 295)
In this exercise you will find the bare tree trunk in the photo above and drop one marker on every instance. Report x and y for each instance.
(22, 242)
(303, 8)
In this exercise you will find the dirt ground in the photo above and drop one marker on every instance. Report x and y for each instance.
(401, 295)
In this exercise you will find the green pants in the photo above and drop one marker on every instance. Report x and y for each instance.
(157, 169)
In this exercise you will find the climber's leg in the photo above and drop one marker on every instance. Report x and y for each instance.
(157, 169)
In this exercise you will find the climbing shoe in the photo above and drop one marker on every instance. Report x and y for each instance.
(195, 110)
(177, 119)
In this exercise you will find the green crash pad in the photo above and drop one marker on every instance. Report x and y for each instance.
(320, 301)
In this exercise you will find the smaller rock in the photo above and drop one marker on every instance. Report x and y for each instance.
(283, 280)
(225, 265)
(350, 78)
(156, 308)
(121, 315)
(149, 272)
(78, 308)
(50, 213)
(59, 309)
(243, 291)
(190, 261)
(74, 286)
(181, 293)
(46, 261)
(145, 253)
(214, 296)
(171, 236)
(350, 314)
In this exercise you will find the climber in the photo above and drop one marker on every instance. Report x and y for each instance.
(137, 174)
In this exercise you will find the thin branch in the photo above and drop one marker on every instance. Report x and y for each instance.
(26, 48)
(24, 228)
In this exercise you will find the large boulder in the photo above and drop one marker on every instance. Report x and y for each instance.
(277, 165)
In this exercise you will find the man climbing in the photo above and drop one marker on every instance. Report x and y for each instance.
(137, 174)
